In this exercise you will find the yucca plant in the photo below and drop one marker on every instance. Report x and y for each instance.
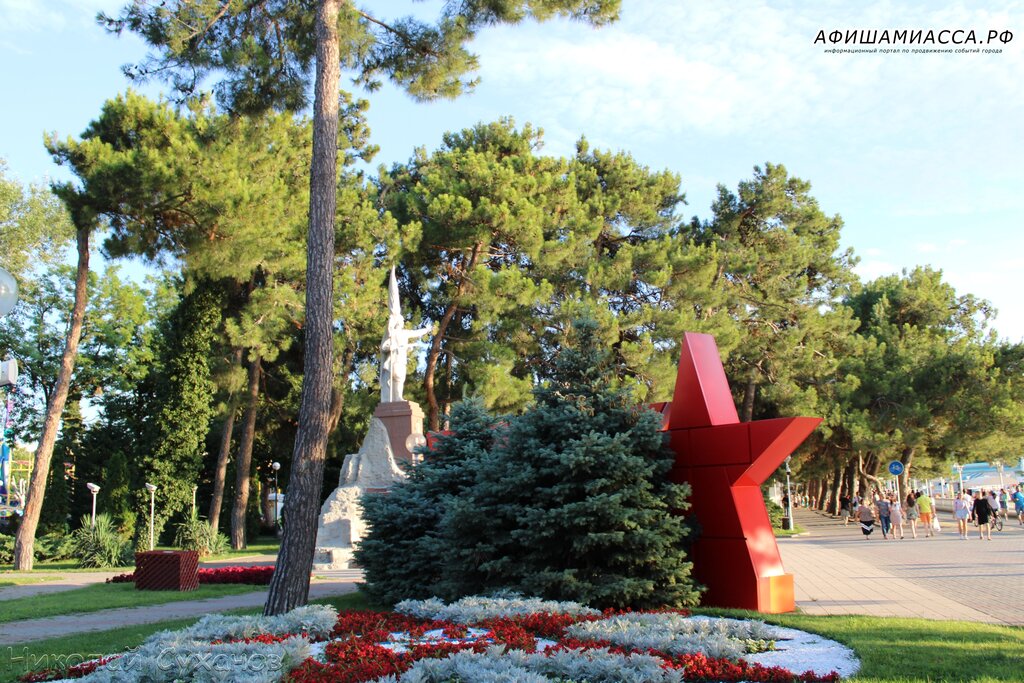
(196, 534)
(100, 545)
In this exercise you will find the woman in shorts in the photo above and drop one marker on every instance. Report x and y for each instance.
(912, 513)
(896, 515)
(961, 511)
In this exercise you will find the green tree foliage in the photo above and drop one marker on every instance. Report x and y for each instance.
(264, 54)
(574, 501)
(34, 226)
(507, 246)
(783, 273)
(171, 451)
(926, 380)
(404, 554)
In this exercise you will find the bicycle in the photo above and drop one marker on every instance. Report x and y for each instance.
(995, 521)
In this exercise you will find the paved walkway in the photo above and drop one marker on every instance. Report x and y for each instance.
(64, 581)
(836, 571)
(54, 627)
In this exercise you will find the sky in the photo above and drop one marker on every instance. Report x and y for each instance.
(919, 153)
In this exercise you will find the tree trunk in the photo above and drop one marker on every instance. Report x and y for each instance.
(289, 587)
(433, 408)
(24, 543)
(837, 485)
(868, 470)
(903, 481)
(266, 505)
(243, 463)
(749, 392)
(224, 454)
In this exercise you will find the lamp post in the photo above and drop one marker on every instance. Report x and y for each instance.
(789, 498)
(275, 466)
(960, 471)
(93, 489)
(152, 509)
(412, 442)
(999, 466)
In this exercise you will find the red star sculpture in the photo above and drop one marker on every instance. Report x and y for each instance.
(725, 462)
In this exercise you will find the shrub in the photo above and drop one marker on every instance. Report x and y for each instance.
(197, 534)
(404, 524)
(48, 548)
(6, 549)
(574, 501)
(100, 546)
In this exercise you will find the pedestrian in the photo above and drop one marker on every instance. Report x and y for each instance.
(993, 500)
(1018, 504)
(913, 514)
(896, 514)
(983, 513)
(866, 517)
(1004, 503)
(844, 508)
(926, 508)
(961, 511)
(882, 505)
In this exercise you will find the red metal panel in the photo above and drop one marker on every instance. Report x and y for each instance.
(775, 439)
(723, 445)
(702, 397)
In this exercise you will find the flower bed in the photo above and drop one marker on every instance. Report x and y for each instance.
(475, 639)
(257, 576)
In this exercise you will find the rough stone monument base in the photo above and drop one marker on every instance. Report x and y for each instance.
(372, 470)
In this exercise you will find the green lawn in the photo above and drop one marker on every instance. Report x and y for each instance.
(895, 650)
(106, 596)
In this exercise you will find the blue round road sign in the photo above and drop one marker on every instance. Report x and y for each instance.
(896, 468)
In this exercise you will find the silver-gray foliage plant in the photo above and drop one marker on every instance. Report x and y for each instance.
(188, 654)
(474, 609)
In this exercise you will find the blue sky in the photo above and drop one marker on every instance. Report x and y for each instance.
(920, 153)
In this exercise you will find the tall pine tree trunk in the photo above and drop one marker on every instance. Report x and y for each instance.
(429, 374)
(243, 463)
(224, 454)
(25, 540)
(837, 485)
(289, 587)
(749, 393)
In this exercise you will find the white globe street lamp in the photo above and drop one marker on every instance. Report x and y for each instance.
(8, 292)
(412, 442)
(275, 466)
(93, 489)
(152, 509)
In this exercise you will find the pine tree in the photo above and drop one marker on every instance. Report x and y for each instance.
(574, 503)
(403, 554)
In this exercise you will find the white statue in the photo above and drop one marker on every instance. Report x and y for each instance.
(395, 347)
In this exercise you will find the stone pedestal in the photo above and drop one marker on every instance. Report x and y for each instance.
(372, 470)
(401, 419)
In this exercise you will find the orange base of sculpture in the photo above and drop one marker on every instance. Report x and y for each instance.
(725, 461)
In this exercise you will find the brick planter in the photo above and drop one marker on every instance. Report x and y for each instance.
(167, 570)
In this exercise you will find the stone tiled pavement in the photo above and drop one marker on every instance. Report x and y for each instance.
(53, 627)
(837, 572)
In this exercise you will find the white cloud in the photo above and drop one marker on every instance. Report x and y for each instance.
(927, 247)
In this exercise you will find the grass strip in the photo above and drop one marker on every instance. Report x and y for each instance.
(103, 596)
(903, 650)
